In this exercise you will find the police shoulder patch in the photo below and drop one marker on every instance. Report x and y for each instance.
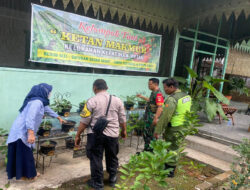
(85, 112)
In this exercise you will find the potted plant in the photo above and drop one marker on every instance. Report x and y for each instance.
(48, 147)
(130, 102)
(140, 124)
(68, 126)
(44, 129)
(61, 105)
(70, 141)
(141, 102)
(81, 106)
(131, 123)
(133, 118)
(136, 124)
(238, 85)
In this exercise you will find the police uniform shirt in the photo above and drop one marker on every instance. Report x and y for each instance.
(97, 106)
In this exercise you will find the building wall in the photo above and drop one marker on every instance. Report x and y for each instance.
(18, 74)
(16, 83)
(238, 63)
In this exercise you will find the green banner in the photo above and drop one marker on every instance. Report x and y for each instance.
(59, 37)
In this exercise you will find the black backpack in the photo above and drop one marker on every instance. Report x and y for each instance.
(102, 121)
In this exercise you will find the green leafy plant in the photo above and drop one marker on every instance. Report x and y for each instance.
(130, 127)
(140, 124)
(46, 125)
(3, 147)
(133, 117)
(7, 185)
(46, 143)
(147, 167)
(198, 89)
(135, 123)
(237, 84)
(194, 166)
(72, 134)
(241, 166)
(60, 102)
(81, 104)
(130, 99)
(141, 102)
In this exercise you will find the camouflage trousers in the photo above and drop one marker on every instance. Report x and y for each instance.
(148, 131)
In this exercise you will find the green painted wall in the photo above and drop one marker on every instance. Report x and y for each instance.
(16, 83)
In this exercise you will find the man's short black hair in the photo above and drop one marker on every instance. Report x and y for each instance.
(154, 80)
(100, 84)
(171, 82)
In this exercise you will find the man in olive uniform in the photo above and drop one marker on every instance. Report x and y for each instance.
(173, 116)
(153, 111)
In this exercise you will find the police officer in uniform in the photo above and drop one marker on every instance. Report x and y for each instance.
(173, 116)
(153, 111)
(94, 108)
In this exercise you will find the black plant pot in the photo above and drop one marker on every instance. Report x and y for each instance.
(48, 149)
(64, 112)
(69, 126)
(138, 132)
(141, 105)
(69, 142)
(42, 132)
(128, 105)
(81, 106)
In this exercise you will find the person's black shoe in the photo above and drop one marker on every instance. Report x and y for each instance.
(112, 181)
(90, 183)
(171, 173)
(94, 185)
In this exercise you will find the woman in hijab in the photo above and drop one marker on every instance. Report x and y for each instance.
(21, 137)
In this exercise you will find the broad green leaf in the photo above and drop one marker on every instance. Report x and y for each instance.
(207, 78)
(192, 73)
(181, 80)
(221, 112)
(212, 108)
(123, 177)
(218, 95)
(124, 171)
(219, 80)
(163, 183)
(118, 186)
(139, 177)
(146, 187)
(137, 184)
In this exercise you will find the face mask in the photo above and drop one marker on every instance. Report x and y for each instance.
(49, 95)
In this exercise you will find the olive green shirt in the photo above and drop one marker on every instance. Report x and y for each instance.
(167, 113)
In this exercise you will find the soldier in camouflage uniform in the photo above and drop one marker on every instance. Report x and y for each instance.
(173, 117)
(153, 111)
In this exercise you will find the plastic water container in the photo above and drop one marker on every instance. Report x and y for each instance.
(229, 123)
